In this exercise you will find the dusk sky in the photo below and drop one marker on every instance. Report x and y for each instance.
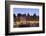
(31, 11)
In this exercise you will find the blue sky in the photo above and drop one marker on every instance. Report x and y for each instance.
(31, 11)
